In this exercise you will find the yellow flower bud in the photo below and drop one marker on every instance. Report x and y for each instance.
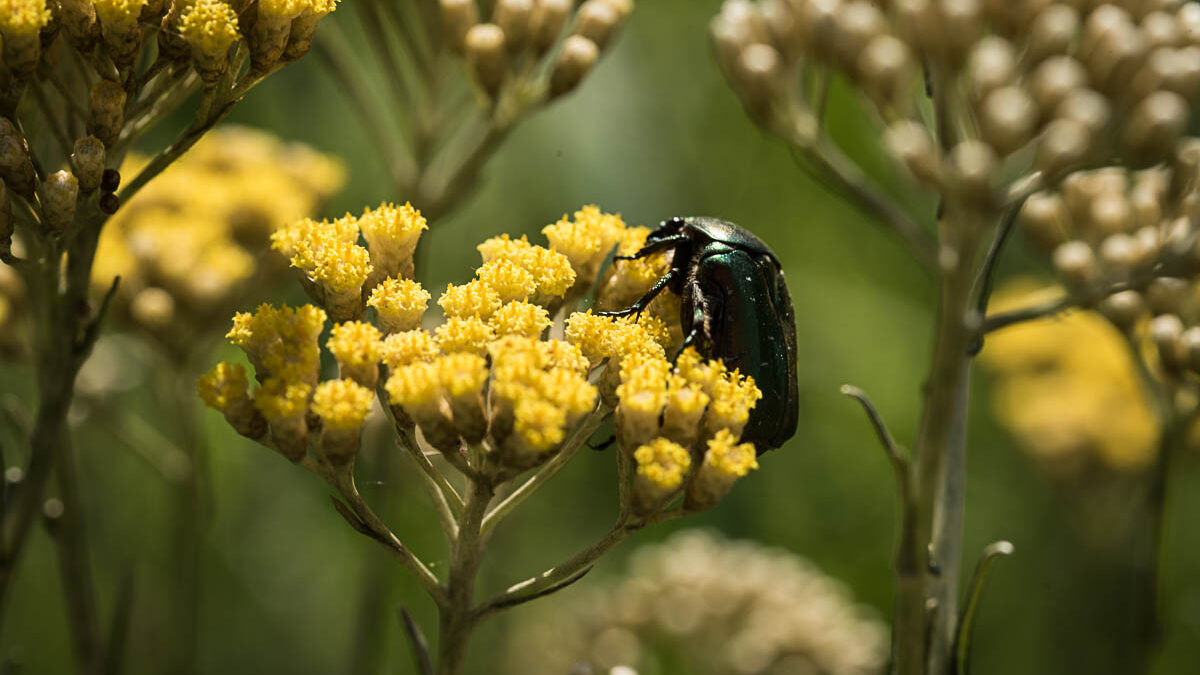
(485, 46)
(342, 405)
(661, 467)
(724, 462)
(399, 304)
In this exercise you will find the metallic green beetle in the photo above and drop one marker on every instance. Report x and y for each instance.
(736, 308)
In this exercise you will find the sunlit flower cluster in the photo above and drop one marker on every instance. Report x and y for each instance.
(1068, 390)
(496, 384)
(185, 246)
(723, 606)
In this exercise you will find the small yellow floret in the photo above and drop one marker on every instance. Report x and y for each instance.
(224, 386)
(461, 374)
(551, 270)
(464, 335)
(472, 299)
(392, 231)
(286, 239)
(119, 13)
(283, 340)
(560, 354)
(319, 7)
(663, 462)
(539, 423)
(413, 386)
(23, 18)
(337, 265)
(281, 9)
(342, 404)
(399, 303)
(278, 399)
(510, 280)
(401, 349)
(728, 457)
(209, 27)
(520, 318)
(355, 344)
(567, 390)
(587, 240)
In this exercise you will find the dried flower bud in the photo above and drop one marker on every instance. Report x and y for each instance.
(912, 144)
(1166, 331)
(1161, 30)
(58, 194)
(1154, 126)
(1086, 107)
(106, 111)
(16, 166)
(1166, 295)
(1124, 309)
(546, 24)
(485, 47)
(597, 21)
(961, 25)
(1008, 119)
(1064, 145)
(1045, 219)
(784, 27)
(458, 16)
(885, 67)
(78, 19)
(576, 59)
(1055, 79)
(759, 74)
(1053, 31)
(304, 28)
(855, 24)
(1081, 188)
(513, 17)
(991, 64)
(269, 33)
(918, 24)
(1120, 252)
(1076, 263)
(1184, 78)
(87, 161)
(973, 163)
(1110, 213)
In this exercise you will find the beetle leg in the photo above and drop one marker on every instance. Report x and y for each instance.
(644, 301)
(654, 247)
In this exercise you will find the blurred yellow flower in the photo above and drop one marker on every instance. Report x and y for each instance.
(1067, 386)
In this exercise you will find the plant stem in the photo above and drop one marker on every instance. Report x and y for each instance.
(928, 562)
(456, 616)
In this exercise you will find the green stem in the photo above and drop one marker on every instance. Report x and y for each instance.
(929, 560)
(457, 619)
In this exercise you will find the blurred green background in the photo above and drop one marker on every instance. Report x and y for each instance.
(286, 587)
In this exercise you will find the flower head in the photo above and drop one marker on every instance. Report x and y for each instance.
(23, 18)
(342, 405)
(551, 271)
(391, 232)
(586, 240)
(281, 343)
(401, 349)
(399, 304)
(123, 13)
(520, 318)
(357, 347)
(210, 27)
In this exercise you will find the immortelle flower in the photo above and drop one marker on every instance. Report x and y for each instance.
(209, 27)
(20, 23)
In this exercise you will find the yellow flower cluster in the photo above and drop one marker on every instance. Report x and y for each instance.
(485, 386)
(22, 17)
(1068, 389)
(209, 27)
(337, 267)
(122, 13)
(586, 240)
(184, 246)
(695, 406)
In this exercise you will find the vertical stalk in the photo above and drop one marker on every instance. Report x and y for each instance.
(457, 618)
(928, 562)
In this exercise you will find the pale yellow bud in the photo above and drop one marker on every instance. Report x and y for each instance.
(1086, 107)
(991, 64)
(513, 17)
(458, 16)
(546, 24)
(972, 166)
(886, 66)
(1008, 119)
(1154, 126)
(153, 308)
(597, 21)
(1124, 309)
(1166, 295)
(58, 194)
(1053, 31)
(485, 47)
(1076, 263)
(759, 70)
(87, 161)
(1045, 219)
(961, 25)
(1166, 332)
(1065, 143)
(855, 24)
(1055, 79)
(576, 59)
(913, 145)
